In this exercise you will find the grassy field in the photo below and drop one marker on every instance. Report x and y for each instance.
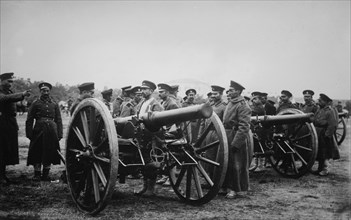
(271, 196)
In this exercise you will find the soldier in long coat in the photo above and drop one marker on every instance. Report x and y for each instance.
(149, 104)
(236, 121)
(194, 127)
(285, 102)
(8, 124)
(45, 134)
(309, 105)
(326, 124)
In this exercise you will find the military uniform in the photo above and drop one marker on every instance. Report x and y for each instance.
(309, 107)
(195, 124)
(269, 109)
(129, 108)
(285, 105)
(236, 121)
(9, 126)
(46, 132)
(89, 86)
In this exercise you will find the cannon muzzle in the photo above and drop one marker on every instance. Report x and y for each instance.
(282, 119)
(155, 120)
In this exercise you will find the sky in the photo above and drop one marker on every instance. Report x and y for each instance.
(263, 45)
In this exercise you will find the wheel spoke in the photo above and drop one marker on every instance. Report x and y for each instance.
(188, 183)
(100, 146)
(94, 177)
(92, 127)
(301, 137)
(293, 163)
(302, 147)
(208, 146)
(100, 173)
(80, 136)
(208, 161)
(83, 117)
(180, 177)
(301, 158)
(197, 182)
(203, 136)
(204, 174)
(102, 159)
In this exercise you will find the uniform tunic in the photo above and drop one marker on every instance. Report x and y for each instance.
(326, 124)
(193, 130)
(236, 121)
(309, 107)
(285, 105)
(46, 132)
(270, 109)
(129, 108)
(8, 127)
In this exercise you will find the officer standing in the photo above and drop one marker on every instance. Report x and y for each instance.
(309, 105)
(86, 90)
(326, 124)
(285, 101)
(8, 124)
(236, 121)
(149, 171)
(45, 134)
(106, 98)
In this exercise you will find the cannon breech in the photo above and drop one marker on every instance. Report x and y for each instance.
(282, 119)
(155, 120)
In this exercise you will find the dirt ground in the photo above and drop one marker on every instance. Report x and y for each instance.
(271, 196)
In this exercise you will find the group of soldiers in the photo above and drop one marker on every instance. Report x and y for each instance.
(235, 113)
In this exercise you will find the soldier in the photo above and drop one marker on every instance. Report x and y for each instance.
(106, 98)
(174, 95)
(257, 105)
(326, 124)
(285, 101)
(309, 105)
(125, 95)
(86, 90)
(116, 106)
(45, 135)
(149, 171)
(195, 124)
(190, 98)
(131, 107)
(167, 103)
(8, 124)
(339, 107)
(236, 121)
(268, 106)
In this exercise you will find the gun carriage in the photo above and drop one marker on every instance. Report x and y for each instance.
(341, 130)
(101, 150)
(287, 140)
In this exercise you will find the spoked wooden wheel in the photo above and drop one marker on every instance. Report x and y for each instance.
(340, 132)
(197, 168)
(91, 156)
(295, 147)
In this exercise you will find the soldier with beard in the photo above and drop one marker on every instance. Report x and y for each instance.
(285, 101)
(8, 124)
(268, 107)
(45, 134)
(86, 90)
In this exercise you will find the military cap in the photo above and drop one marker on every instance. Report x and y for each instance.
(247, 98)
(163, 86)
(236, 85)
(6, 76)
(107, 92)
(209, 94)
(129, 91)
(136, 90)
(175, 88)
(324, 97)
(119, 98)
(264, 94)
(126, 87)
(217, 88)
(256, 93)
(286, 92)
(270, 101)
(308, 92)
(45, 85)
(148, 84)
(189, 91)
(86, 86)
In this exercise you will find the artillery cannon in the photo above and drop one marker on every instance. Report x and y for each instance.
(101, 150)
(340, 132)
(288, 140)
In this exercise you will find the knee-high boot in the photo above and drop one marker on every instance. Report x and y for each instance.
(45, 176)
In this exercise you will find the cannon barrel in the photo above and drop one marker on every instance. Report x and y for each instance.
(155, 120)
(282, 119)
